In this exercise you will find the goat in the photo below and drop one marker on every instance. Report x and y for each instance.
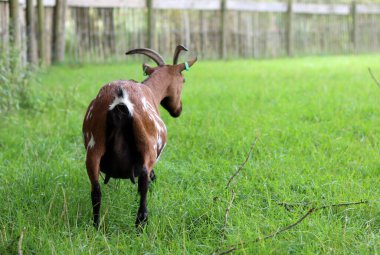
(122, 129)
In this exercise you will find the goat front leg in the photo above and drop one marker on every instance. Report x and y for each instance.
(96, 195)
(142, 214)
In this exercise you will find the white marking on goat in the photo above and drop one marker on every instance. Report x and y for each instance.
(152, 115)
(148, 107)
(91, 143)
(89, 112)
(163, 147)
(159, 141)
(123, 100)
(145, 106)
(160, 153)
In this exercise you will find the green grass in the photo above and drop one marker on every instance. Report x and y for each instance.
(318, 123)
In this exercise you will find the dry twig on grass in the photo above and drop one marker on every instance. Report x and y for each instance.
(226, 215)
(19, 245)
(310, 211)
(373, 77)
(290, 206)
(243, 164)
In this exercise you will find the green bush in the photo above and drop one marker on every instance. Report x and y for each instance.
(15, 82)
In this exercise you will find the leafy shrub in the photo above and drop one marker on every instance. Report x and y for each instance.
(15, 82)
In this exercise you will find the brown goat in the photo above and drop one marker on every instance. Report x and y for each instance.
(122, 129)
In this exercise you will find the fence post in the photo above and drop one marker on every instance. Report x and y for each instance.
(109, 31)
(58, 47)
(41, 32)
(289, 29)
(149, 23)
(222, 42)
(354, 30)
(30, 30)
(14, 29)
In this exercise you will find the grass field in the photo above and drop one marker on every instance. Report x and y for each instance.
(317, 120)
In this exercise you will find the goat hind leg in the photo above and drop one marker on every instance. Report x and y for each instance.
(142, 214)
(96, 195)
(152, 176)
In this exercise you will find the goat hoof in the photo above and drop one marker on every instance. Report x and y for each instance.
(141, 221)
(152, 175)
(96, 225)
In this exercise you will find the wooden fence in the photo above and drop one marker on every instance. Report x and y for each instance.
(102, 30)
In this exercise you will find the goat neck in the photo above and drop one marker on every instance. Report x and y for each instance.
(159, 82)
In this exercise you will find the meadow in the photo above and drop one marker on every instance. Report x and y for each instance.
(316, 122)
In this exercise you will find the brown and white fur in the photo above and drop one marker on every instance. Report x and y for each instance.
(122, 129)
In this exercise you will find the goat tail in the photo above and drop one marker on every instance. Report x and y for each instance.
(120, 126)
(121, 116)
(121, 110)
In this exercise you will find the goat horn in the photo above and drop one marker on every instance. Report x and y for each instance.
(150, 53)
(177, 51)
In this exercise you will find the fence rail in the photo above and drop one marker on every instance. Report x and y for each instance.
(235, 5)
(98, 30)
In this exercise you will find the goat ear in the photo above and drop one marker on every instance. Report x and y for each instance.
(186, 66)
(147, 69)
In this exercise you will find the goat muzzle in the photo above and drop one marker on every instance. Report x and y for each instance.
(177, 113)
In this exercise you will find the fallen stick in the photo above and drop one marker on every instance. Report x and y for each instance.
(373, 77)
(289, 206)
(226, 215)
(234, 247)
(243, 164)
